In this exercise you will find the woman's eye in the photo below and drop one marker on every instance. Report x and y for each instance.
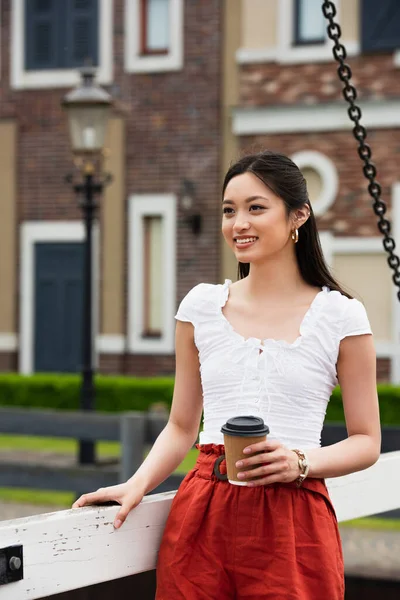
(257, 206)
(227, 211)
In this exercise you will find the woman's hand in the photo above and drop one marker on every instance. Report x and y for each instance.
(277, 464)
(128, 495)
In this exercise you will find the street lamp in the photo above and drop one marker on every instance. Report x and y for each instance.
(88, 107)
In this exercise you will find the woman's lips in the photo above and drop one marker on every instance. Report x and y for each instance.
(245, 242)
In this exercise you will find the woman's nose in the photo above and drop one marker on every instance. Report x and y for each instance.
(241, 224)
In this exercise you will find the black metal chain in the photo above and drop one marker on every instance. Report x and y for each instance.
(359, 132)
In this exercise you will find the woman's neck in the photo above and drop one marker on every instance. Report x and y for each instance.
(274, 278)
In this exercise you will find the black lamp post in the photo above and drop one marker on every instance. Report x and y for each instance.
(88, 108)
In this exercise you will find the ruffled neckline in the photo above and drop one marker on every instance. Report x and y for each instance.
(306, 325)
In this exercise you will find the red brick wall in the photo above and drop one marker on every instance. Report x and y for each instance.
(351, 214)
(173, 132)
(374, 76)
(8, 361)
(143, 365)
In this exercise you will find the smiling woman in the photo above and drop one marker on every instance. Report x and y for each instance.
(273, 344)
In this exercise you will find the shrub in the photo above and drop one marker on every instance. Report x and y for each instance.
(118, 393)
(63, 392)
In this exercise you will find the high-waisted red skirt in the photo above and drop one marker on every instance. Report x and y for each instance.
(273, 542)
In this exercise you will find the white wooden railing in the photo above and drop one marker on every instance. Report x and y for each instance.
(71, 549)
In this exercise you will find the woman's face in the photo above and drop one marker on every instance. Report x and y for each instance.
(255, 223)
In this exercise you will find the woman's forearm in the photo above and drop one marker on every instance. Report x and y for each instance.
(167, 453)
(356, 453)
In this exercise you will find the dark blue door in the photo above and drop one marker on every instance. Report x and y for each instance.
(58, 307)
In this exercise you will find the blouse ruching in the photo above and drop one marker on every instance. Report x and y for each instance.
(287, 384)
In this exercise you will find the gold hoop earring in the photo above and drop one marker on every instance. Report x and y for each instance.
(295, 235)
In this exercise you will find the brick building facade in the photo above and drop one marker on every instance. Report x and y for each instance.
(218, 78)
(288, 97)
(164, 141)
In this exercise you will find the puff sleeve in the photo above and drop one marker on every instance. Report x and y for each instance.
(189, 306)
(355, 320)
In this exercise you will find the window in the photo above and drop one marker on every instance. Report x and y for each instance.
(60, 35)
(155, 24)
(51, 39)
(380, 25)
(309, 23)
(153, 35)
(151, 273)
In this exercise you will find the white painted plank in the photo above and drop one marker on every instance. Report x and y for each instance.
(71, 549)
(374, 490)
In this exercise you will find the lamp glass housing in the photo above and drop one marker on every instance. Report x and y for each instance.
(88, 126)
(88, 107)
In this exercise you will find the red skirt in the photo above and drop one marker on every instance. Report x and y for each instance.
(273, 542)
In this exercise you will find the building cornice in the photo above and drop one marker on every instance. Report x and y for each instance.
(382, 114)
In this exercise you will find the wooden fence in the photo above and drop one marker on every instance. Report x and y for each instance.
(72, 549)
(135, 431)
(67, 551)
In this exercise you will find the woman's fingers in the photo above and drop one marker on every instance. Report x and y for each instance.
(266, 446)
(256, 459)
(122, 494)
(122, 514)
(93, 498)
(263, 470)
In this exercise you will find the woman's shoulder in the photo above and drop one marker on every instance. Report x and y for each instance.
(347, 314)
(202, 300)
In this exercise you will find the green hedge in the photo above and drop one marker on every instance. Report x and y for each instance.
(116, 393)
(113, 394)
(389, 405)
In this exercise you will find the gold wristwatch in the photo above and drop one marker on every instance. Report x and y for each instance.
(304, 466)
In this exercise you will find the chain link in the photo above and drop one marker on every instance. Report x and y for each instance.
(359, 132)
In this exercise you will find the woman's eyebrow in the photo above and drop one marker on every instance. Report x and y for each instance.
(250, 199)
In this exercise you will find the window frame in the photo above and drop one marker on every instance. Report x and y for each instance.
(21, 78)
(152, 62)
(140, 206)
(297, 41)
(327, 171)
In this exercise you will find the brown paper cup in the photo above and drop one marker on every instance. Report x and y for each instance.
(234, 446)
(240, 432)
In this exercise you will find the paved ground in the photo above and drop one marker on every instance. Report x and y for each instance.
(9, 510)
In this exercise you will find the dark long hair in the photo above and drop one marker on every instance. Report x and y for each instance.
(285, 179)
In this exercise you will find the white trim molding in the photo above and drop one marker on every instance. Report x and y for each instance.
(52, 78)
(134, 61)
(44, 231)
(296, 55)
(8, 342)
(396, 58)
(332, 245)
(142, 205)
(328, 173)
(384, 114)
(110, 344)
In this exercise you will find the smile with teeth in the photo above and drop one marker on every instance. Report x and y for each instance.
(248, 240)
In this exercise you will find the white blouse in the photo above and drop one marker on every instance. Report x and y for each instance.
(288, 385)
